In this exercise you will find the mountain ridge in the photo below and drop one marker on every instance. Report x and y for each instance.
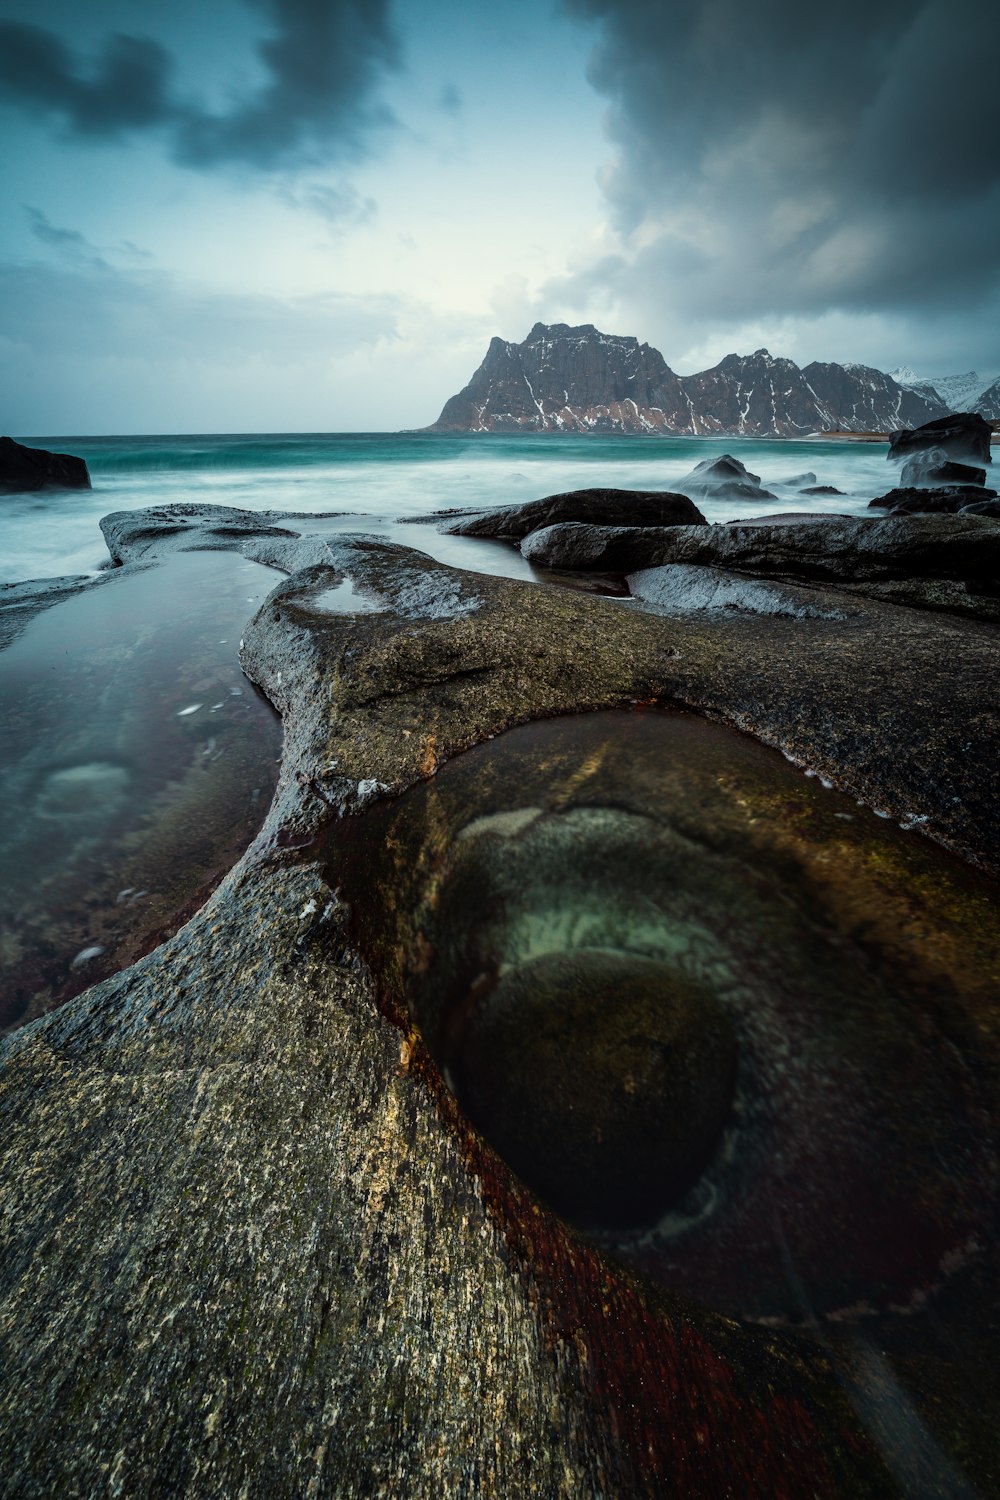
(565, 378)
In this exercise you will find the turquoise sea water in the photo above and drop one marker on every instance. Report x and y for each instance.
(385, 477)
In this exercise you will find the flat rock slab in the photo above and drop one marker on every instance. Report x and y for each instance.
(250, 1248)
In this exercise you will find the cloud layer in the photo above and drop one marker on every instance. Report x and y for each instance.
(790, 159)
(321, 63)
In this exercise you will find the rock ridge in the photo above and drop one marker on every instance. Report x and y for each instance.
(578, 379)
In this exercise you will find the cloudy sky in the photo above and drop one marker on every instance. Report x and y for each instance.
(312, 215)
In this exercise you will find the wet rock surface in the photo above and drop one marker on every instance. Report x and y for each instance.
(933, 468)
(26, 469)
(723, 478)
(963, 436)
(852, 551)
(571, 545)
(253, 1245)
(592, 507)
(946, 500)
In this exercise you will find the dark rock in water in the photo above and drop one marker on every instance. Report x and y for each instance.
(821, 489)
(981, 508)
(605, 1080)
(723, 478)
(935, 469)
(917, 501)
(25, 469)
(599, 507)
(799, 481)
(964, 436)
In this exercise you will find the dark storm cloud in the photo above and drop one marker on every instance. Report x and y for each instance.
(321, 60)
(783, 157)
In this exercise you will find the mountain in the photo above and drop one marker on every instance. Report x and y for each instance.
(988, 404)
(958, 392)
(564, 379)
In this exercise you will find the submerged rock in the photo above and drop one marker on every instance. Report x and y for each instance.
(597, 507)
(26, 469)
(605, 1080)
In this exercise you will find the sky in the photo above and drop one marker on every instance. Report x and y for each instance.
(313, 215)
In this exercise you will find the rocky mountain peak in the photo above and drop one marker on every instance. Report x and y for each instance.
(566, 378)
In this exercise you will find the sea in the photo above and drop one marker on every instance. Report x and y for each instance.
(379, 479)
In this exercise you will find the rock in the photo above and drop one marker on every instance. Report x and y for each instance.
(799, 481)
(570, 546)
(987, 404)
(604, 1080)
(252, 1244)
(26, 469)
(821, 489)
(935, 469)
(678, 588)
(788, 518)
(964, 436)
(866, 548)
(723, 478)
(917, 501)
(981, 508)
(593, 507)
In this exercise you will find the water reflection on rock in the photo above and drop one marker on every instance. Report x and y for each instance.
(588, 918)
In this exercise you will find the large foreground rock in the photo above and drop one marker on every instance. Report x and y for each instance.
(26, 469)
(572, 546)
(251, 1247)
(964, 436)
(854, 550)
(598, 507)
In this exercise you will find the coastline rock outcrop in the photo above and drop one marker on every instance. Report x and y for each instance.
(252, 1245)
(596, 507)
(851, 551)
(23, 470)
(569, 546)
(964, 436)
